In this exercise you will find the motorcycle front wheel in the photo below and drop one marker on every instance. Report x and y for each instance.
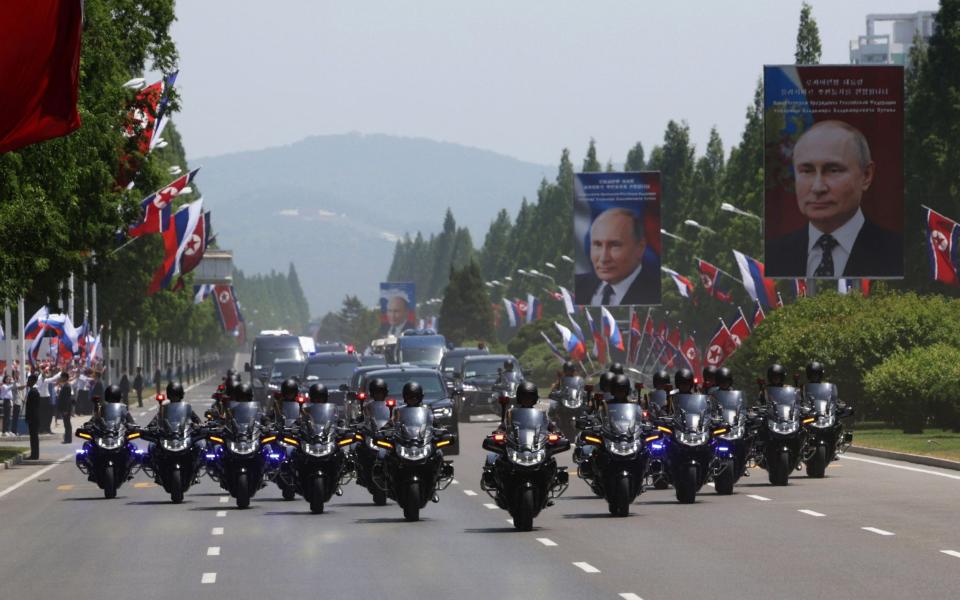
(109, 482)
(176, 488)
(817, 465)
(778, 469)
(411, 502)
(316, 495)
(686, 485)
(523, 519)
(723, 483)
(620, 498)
(243, 491)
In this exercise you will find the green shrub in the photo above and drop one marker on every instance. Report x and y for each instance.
(529, 336)
(913, 385)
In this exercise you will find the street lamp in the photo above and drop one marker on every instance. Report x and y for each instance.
(726, 206)
(522, 272)
(508, 278)
(135, 84)
(550, 265)
(692, 223)
(175, 170)
(566, 258)
(670, 235)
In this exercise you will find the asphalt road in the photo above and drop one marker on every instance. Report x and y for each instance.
(60, 538)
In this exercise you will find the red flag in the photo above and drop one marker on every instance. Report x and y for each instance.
(663, 330)
(758, 315)
(39, 68)
(740, 330)
(156, 206)
(691, 355)
(710, 277)
(227, 308)
(674, 339)
(865, 287)
(800, 288)
(942, 234)
(720, 347)
(636, 336)
(194, 248)
(141, 118)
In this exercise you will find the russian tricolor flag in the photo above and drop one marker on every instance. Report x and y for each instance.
(34, 326)
(760, 288)
(513, 315)
(572, 344)
(610, 329)
(534, 308)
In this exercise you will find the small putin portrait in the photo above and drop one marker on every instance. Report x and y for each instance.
(833, 171)
(618, 277)
(397, 310)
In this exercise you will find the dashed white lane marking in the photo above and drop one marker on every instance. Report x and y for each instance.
(812, 513)
(470, 492)
(209, 578)
(711, 484)
(586, 567)
(546, 541)
(213, 551)
(34, 475)
(224, 499)
(221, 513)
(630, 596)
(510, 521)
(491, 506)
(216, 531)
(877, 531)
(904, 467)
(455, 482)
(952, 553)
(760, 498)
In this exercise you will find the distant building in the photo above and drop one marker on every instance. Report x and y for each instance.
(891, 48)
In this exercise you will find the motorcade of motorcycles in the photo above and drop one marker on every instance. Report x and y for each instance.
(239, 455)
(319, 461)
(108, 456)
(285, 476)
(616, 468)
(734, 447)
(658, 408)
(570, 402)
(174, 457)
(376, 416)
(689, 446)
(525, 478)
(413, 470)
(783, 435)
(827, 435)
(474, 384)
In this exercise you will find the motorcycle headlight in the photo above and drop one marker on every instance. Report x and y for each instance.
(414, 452)
(319, 449)
(784, 427)
(623, 448)
(175, 445)
(573, 400)
(695, 438)
(442, 413)
(825, 421)
(110, 442)
(735, 433)
(525, 459)
(467, 387)
(247, 447)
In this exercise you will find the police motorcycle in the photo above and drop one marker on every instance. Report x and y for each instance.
(783, 437)
(284, 414)
(239, 456)
(108, 456)
(827, 437)
(658, 407)
(506, 387)
(569, 399)
(590, 419)
(734, 447)
(375, 415)
(319, 459)
(174, 457)
(616, 468)
(522, 475)
(413, 470)
(690, 440)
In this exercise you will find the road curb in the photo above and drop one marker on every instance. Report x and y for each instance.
(16, 460)
(929, 461)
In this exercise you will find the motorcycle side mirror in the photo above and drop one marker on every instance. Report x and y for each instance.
(343, 387)
(638, 386)
(503, 400)
(246, 367)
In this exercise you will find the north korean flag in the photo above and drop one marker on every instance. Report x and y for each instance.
(177, 240)
(196, 246)
(720, 346)
(690, 354)
(710, 278)
(942, 246)
(758, 315)
(227, 308)
(740, 330)
(156, 206)
(636, 337)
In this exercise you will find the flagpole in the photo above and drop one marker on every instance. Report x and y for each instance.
(719, 270)
(123, 245)
(630, 339)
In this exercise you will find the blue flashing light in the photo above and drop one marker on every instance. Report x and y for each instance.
(657, 446)
(275, 456)
(210, 456)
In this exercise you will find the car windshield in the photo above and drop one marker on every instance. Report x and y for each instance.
(371, 360)
(451, 364)
(429, 356)
(330, 372)
(284, 370)
(482, 368)
(430, 382)
(266, 356)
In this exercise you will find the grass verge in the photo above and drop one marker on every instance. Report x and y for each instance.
(8, 453)
(932, 442)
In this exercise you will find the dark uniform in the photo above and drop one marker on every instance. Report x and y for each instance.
(32, 416)
(65, 408)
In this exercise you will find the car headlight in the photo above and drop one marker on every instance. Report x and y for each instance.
(735, 433)
(319, 449)
(247, 447)
(784, 427)
(414, 452)
(175, 445)
(825, 421)
(695, 438)
(110, 442)
(470, 388)
(623, 448)
(443, 413)
(526, 459)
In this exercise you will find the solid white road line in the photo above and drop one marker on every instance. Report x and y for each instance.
(952, 553)
(904, 467)
(877, 531)
(491, 506)
(470, 492)
(221, 513)
(760, 498)
(546, 541)
(630, 596)
(586, 567)
(209, 578)
(216, 531)
(213, 551)
(812, 513)
(34, 475)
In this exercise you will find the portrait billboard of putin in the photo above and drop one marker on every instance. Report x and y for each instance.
(617, 262)
(397, 310)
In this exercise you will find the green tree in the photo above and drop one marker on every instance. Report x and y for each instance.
(466, 312)
(635, 159)
(808, 38)
(590, 163)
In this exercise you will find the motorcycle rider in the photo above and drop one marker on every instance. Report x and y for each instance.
(289, 390)
(505, 374)
(683, 381)
(776, 376)
(815, 372)
(569, 369)
(378, 389)
(413, 394)
(318, 394)
(527, 397)
(708, 379)
(616, 368)
(112, 395)
(175, 394)
(724, 379)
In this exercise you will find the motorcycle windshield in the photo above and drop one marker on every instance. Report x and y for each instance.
(821, 396)
(176, 416)
(691, 410)
(528, 425)
(573, 383)
(783, 402)
(378, 413)
(113, 414)
(320, 418)
(658, 398)
(243, 417)
(730, 402)
(413, 422)
(290, 411)
(623, 418)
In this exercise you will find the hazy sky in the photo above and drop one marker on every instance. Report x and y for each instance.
(523, 78)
